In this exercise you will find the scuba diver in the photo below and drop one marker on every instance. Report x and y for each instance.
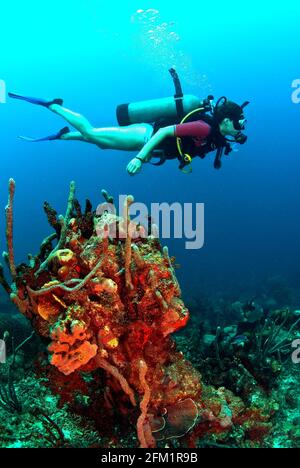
(181, 126)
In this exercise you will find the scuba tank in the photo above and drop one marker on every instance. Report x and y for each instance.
(171, 109)
(155, 110)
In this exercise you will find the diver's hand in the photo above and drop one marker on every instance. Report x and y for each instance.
(134, 166)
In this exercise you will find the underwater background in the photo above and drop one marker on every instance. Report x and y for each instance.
(96, 55)
(96, 58)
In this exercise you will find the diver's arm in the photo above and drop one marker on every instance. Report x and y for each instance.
(159, 136)
(135, 164)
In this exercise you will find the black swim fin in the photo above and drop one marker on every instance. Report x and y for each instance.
(37, 101)
(55, 136)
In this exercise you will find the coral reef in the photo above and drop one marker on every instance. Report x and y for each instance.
(251, 355)
(106, 300)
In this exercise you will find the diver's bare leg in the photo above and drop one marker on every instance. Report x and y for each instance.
(72, 136)
(76, 120)
(130, 138)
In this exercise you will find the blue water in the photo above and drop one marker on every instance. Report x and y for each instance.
(97, 54)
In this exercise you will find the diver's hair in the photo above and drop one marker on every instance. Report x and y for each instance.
(229, 110)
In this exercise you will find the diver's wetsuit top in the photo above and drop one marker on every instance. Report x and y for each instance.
(198, 130)
(196, 138)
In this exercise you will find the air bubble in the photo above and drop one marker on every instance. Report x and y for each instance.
(152, 11)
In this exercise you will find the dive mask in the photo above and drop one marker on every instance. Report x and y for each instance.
(240, 124)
